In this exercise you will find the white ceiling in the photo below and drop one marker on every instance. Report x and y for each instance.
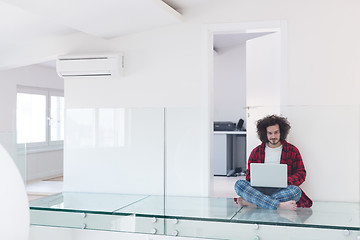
(23, 22)
(179, 5)
(101, 18)
(226, 41)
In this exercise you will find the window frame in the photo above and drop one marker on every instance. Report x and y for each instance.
(47, 145)
(53, 93)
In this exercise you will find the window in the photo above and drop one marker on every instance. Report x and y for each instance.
(40, 118)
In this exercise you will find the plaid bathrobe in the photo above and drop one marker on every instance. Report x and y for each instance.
(296, 171)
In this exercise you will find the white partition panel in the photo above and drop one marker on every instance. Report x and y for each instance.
(187, 169)
(118, 150)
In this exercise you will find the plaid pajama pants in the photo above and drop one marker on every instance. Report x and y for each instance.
(254, 196)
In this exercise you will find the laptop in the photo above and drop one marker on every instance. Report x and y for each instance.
(268, 175)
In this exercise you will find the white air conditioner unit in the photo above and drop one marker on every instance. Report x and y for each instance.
(106, 65)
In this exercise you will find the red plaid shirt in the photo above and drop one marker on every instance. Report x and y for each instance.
(296, 171)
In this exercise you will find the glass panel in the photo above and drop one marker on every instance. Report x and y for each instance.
(187, 158)
(115, 156)
(31, 118)
(111, 127)
(115, 146)
(86, 202)
(328, 138)
(56, 118)
(112, 151)
(81, 128)
(185, 207)
(16, 151)
(322, 214)
(150, 206)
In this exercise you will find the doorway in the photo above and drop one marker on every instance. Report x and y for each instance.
(246, 79)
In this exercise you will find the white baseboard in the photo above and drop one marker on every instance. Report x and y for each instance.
(45, 175)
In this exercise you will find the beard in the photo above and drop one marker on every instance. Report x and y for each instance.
(274, 141)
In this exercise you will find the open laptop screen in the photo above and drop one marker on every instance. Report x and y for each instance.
(268, 175)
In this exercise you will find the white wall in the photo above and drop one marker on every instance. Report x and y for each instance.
(314, 55)
(328, 139)
(230, 84)
(320, 71)
(166, 68)
(157, 74)
(39, 165)
(43, 165)
(264, 83)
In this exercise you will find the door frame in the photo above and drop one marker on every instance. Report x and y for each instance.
(209, 30)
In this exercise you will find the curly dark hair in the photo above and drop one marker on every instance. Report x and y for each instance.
(272, 120)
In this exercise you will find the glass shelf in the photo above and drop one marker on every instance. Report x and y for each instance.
(334, 215)
(222, 209)
(85, 202)
(329, 215)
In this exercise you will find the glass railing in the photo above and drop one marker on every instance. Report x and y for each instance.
(16, 151)
(185, 216)
(115, 151)
(133, 173)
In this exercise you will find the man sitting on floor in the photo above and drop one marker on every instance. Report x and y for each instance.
(272, 131)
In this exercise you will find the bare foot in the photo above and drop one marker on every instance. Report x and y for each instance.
(289, 205)
(243, 202)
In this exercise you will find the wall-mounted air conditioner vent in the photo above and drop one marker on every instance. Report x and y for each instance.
(107, 65)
